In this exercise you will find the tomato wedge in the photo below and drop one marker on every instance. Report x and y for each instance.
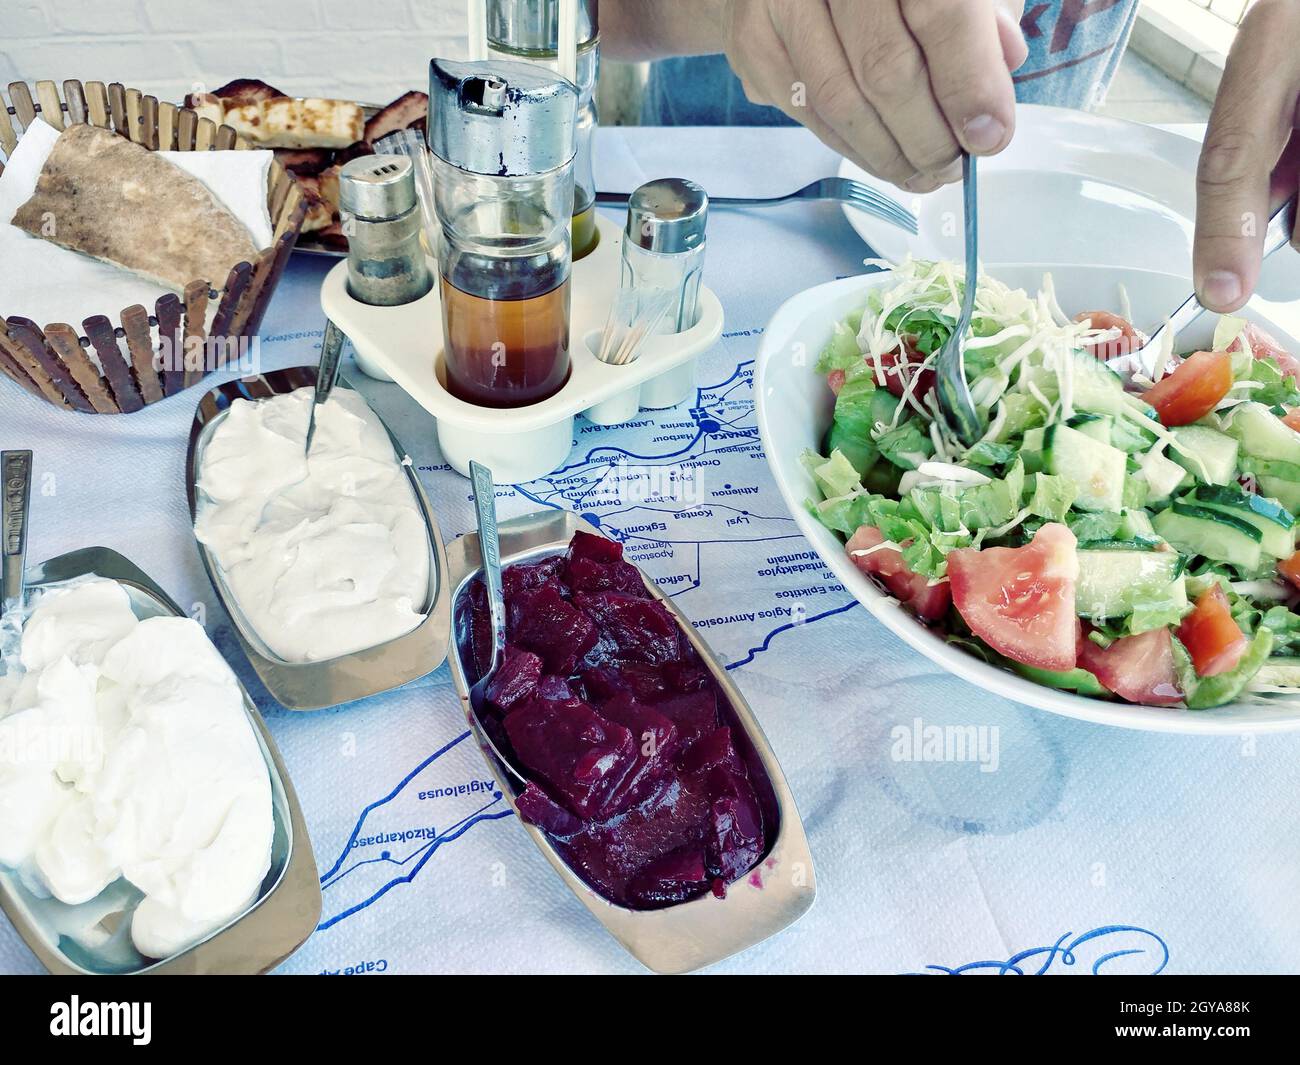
(1211, 636)
(1193, 389)
(1263, 346)
(928, 601)
(1139, 669)
(1292, 419)
(1127, 341)
(1020, 600)
(1290, 569)
(899, 366)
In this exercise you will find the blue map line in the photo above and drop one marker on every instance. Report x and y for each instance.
(754, 652)
(432, 849)
(387, 859)
(347, 847)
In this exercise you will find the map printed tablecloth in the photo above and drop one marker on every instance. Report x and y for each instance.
(1150, 852)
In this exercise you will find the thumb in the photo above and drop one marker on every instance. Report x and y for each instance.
(1250, 125)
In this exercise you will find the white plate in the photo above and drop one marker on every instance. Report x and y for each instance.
(1066, 190)
(794, 410)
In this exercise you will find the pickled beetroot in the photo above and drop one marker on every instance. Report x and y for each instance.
(603, 703)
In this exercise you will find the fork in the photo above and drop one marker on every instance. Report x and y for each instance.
(840, 190)
(953, 391)
(1278, 235)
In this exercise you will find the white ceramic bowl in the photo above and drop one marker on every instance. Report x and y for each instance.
(794, 411)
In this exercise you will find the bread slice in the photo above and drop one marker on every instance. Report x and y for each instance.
(285, 121)
(103, 196)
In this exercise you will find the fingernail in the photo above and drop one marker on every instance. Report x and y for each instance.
(919, 183)
(1221, 288)
(983, 133)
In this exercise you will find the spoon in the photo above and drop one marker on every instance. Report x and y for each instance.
(1277, 235)
(327, 375)
(485, 507)
(16, 470)
(955, 401)
(16, 489)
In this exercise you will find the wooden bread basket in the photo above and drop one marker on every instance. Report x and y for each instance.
(52, 361)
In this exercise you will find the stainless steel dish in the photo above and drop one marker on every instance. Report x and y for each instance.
(317, 685)
(287, 909)
(690, 935)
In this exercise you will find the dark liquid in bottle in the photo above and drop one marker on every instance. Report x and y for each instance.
(506, 352)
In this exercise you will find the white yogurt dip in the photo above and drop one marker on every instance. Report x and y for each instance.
(126, 751)
(323, 556)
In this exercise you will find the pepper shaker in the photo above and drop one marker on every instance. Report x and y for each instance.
(382, 221)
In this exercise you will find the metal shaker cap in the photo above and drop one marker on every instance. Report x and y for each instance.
(377, 186)
(668, 215)
(502, 118)
(534, 25)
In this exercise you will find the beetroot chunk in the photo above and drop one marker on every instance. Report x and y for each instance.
(594, 548)
(515, 679)
(552, 628)
(673, 878)
(694, 714)
(538, 808)
(641, 629)
(579, 754)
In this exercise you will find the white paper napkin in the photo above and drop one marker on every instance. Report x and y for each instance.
(46, 283)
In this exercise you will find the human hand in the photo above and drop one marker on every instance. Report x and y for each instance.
(1251, 157)
(901, 87)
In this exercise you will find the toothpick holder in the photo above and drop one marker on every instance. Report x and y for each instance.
(405, 345)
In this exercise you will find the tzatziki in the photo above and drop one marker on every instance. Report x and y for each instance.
(126, 751)
(324, 555)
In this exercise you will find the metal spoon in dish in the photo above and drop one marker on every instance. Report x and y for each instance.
(953, 392)
(327, 375)
(16, 484)
(485, 507)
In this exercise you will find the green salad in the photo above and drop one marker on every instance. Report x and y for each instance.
(1124, 528)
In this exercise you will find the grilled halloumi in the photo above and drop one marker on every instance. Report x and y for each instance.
(285, 121)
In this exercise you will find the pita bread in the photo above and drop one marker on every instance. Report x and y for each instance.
(103, 196)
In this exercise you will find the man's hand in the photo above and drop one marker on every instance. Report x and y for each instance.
(1251, 155)
(898, 86)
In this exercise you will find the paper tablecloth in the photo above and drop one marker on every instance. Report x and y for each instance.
(1152, 852)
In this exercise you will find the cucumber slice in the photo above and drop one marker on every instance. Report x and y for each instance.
(1207, 454)
(1280, 671)
(1163, 476)
(1135, 523)
(1113, 580)
(1096, 426)
(1263, 434)
(1097, 388)
(1200, 531)
(1284, 491)
(1275, 523)
(1096, 468)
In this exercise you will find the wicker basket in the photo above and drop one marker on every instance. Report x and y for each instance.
(52, 361)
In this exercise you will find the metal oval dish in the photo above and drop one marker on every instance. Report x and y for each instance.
(319, 685)
(278, 923)
(774, 894)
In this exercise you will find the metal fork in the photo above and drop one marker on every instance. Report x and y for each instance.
(840, 190)
(1277, 235)
(953, 391)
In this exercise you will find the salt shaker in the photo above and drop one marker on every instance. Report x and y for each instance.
(382, 221)
(663, 246)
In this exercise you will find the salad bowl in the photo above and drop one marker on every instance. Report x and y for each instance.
(795, 407)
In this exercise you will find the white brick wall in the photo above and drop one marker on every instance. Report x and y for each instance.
(362, 49)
